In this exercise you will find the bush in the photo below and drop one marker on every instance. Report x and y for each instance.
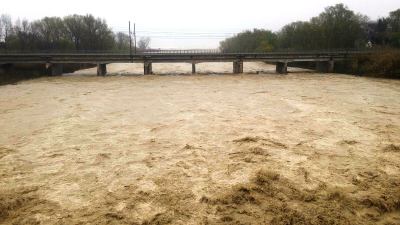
(384, 63)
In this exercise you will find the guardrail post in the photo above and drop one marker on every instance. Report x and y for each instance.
(238, 66)
(148, 68)
(101, 69)
(281, 67)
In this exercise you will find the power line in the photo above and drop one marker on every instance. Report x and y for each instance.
(174, 35)
(179, 35)
(184, 38)
(176, 32)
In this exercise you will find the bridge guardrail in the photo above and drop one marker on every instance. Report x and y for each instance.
(185, 51)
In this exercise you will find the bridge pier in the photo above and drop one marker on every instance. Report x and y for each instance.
(281, 67)
(325, 66)
(193, 68)
(6, 68)
(148, 68)
(331, 66)
(238, 66)
(101, 69)
(54, 69)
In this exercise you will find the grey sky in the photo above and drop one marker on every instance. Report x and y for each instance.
(192, 24)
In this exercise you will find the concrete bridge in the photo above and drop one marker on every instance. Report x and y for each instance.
(325, 60)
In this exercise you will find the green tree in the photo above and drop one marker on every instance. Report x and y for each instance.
(75, 28)
(394, 28)
(52, 32)
(379, 32)
(96, 34)
(394, 20)
(257, 40)
(341, 27)
(300, 36)
(336, 27)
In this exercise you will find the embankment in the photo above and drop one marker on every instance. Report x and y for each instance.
(12, 73)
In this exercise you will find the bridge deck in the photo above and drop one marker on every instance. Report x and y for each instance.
(171, 57)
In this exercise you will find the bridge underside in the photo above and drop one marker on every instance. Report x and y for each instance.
(57, 69)
(238, 68)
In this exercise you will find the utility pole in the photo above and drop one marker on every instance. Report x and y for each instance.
(130, 40)
(134, 34)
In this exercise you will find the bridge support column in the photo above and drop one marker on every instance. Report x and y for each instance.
(148, 68)
(325, 66)
(193, 68)
(101, 69)
(281, 67)
(54, 69)
(331, 66)
(237, 66)
(6, 68)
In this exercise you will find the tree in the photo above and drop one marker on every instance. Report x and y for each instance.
(52, 32)
(22, 38)
(96, 34)
(336, 27)
(394, 20)
(75, 28)
(258, 40)
(122, 41)
(1, 31)
(394, 28)
(299, 35)
(144, 43)
(58, 34)
(341, 27)
(378, 31)
(5, 27)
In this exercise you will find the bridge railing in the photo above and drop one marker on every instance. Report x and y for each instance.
(184, 51)
(181, 51)
(147, 51)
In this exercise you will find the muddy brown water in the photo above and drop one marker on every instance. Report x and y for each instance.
(304, 148)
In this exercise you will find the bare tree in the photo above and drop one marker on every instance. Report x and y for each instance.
(75, 27)
(144, 43)
(5, 27)
(122, 41)
(1, 30)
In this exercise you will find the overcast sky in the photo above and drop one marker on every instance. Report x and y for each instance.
(191, 24)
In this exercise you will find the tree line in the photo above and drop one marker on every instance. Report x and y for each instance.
(336, 28)
(74, 32)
